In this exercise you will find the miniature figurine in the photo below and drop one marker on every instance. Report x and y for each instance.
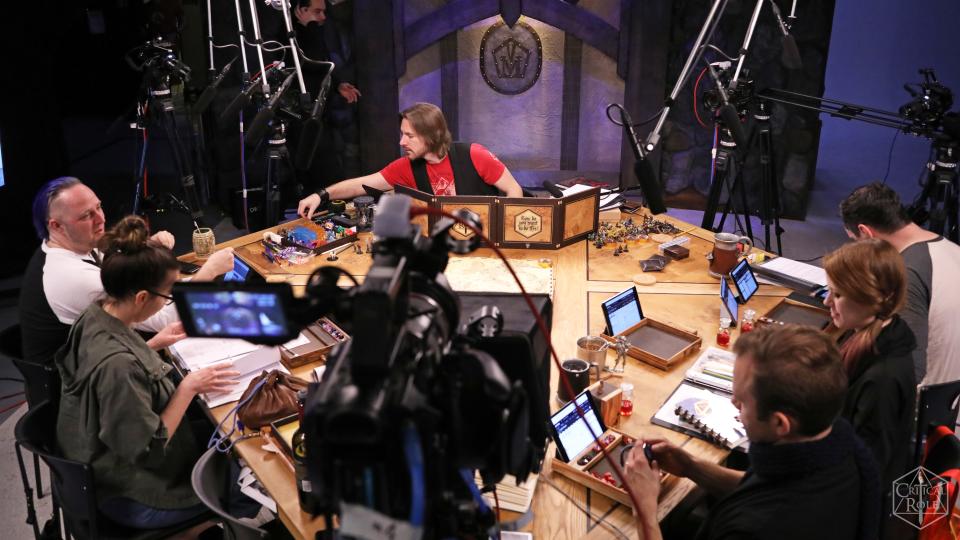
(621, 346)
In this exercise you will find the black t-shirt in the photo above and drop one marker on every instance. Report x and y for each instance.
(824, 490)
(41, 331)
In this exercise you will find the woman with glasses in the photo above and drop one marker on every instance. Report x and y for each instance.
(867, 287)
(119, 410)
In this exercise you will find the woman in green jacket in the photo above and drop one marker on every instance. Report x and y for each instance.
(119, 410)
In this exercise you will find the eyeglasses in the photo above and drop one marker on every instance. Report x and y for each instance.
(167, 296)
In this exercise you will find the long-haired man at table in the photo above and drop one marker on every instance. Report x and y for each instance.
(432, 163)
(809, 475)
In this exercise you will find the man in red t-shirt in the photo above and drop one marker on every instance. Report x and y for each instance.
(423, 135)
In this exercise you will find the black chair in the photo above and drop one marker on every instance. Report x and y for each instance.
(73, 485)
(937, 405)
(211, 482)
(41, 381)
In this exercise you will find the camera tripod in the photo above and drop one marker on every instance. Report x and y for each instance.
(159, 111)
(938, 202)
(725, 151)
(279, 171)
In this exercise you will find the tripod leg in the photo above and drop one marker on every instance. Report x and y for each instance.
(713, 198)
(183, 168)
(717, 173)
(738, 182)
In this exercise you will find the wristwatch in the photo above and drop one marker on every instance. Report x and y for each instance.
(324, 196)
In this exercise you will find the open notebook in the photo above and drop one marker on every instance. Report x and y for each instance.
(702, 412)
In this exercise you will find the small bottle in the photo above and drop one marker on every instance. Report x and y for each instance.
(299, 450)
(626, 399)
(723, 333)
(747, 324)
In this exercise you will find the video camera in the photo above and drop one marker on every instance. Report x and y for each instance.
(931, 100)
(740, 94)
(415, 402)
(161, 69)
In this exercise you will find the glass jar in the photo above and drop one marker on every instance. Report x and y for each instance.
(723, 333)
(626, 399)
(748, 321)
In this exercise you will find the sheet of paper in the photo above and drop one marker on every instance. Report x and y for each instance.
(797, 269)
(197, 352)
(243, 381)
(574, 189)
(297, 341)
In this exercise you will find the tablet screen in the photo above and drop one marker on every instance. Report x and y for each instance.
(622, 311)
(746, 282)
(729, 300)
(571, 430)
(242, 272)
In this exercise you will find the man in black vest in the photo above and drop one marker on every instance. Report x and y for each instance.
(432, 163)
(810, 476)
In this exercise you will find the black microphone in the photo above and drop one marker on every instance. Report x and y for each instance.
(643, 169)
(790, 53)
(258, 128)
(312, 129)
(728, 113)
(553, 189)
(206, 97)
(239, 103)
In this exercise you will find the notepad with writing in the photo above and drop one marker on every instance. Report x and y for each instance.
(704, 413)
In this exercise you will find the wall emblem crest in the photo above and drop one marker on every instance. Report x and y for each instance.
(511, 58)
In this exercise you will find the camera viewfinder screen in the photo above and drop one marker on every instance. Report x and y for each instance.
(239, 314)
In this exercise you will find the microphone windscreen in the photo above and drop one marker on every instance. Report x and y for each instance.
(643, 169)
(234, 108)
(732, 120)
(309, 141)
(553, 189)
(258, 128)
(790, 55)
(205, 99)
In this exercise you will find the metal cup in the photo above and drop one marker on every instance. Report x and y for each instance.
(593, 349)
(577, 372)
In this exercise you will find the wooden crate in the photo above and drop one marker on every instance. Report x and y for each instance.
(581, 474)
(316, 350)
(664, 345)
(610, 397)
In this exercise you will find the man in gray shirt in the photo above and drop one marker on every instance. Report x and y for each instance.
(933, 277)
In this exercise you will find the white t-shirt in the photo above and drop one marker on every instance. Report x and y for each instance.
(72, 282)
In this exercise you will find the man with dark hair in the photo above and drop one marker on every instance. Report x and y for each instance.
(63, 276)
(432, 164)
(933, 271)
(807, 467)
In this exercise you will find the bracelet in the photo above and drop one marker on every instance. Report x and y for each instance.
(324, 196)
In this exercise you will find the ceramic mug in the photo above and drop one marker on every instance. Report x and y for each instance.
(203, 242)
(576, 371)
(726, 252)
